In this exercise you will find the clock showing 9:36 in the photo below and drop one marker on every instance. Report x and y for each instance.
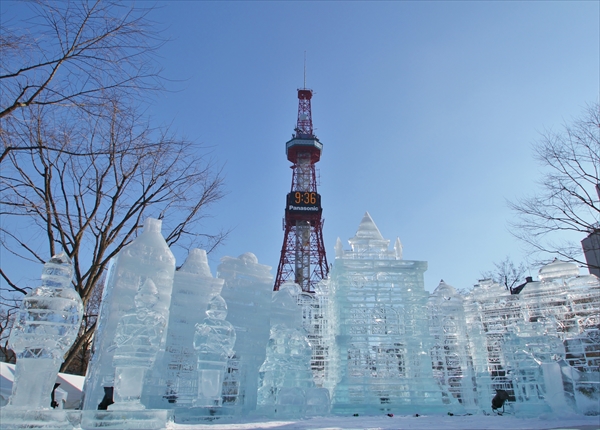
(303, 201)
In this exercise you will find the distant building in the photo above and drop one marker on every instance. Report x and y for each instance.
(591, 250)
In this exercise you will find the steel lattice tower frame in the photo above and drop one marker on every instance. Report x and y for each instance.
(303, 258)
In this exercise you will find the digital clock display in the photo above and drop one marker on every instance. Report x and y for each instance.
(303, 201)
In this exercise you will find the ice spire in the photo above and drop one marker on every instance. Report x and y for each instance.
(398, 249)
(339, 248)
(368, 237)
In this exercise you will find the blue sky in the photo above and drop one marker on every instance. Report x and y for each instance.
(427, 112)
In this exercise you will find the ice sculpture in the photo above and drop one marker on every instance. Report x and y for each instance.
(563, 304)
(145, 269)
(532, 354)
(490, 311)
(148, 257)
(136, 345)
(381, 335)
(247, 291)
(314, 317)
(214, 340)
(450, 353)
(286, 384)
(45, 328)
(370, 335)
(581, 378)
(570, 304)
(174, 382)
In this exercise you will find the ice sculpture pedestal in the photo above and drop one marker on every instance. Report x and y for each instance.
(202, 415)
(48, 419)
(148, 419)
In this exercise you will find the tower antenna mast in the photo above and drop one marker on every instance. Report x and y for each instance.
(304, 87)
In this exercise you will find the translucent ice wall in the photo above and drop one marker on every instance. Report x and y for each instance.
(147, 258)
(490, 311)
(247, 291)
(174, 382)
(286, 384)
(571, 305)
(382, 341)
(532, 356)
(450, 354)
(314, 321)
(507, 333)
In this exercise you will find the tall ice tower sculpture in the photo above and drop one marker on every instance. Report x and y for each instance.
(303, 259)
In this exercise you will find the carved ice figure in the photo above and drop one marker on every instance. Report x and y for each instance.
(175, 378)
(286, 380)
(214, 340)
(45, 328)
(247, 291)
(450, 352)
(136, 344)
(148, 257)
(582, 374)
(532, 353)
(510, 352)
(490, 312)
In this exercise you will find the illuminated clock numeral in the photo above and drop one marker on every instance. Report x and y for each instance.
(304, 198)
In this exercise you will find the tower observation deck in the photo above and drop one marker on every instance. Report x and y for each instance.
(303, 258)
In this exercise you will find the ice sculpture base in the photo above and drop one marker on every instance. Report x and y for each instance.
(201, 415)
(148, 419)
(280, 412)
(42, 419)
(396, 409)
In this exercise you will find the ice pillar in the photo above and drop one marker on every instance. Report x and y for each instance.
(45, 328)
(247, 291)
(174, 381)
(147, 258)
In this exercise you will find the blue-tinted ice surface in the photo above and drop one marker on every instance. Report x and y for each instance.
(370, 340)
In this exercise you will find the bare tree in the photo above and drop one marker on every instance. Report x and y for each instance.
(8, 306)
(76, 54)
(506, 273)
(81, 355)
(91, 205)
(568, 201)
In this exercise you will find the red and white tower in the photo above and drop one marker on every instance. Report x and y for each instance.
(303, 258)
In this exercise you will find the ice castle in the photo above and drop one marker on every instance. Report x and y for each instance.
(184, 346)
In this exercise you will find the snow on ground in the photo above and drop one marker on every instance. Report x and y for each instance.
(474, 422)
